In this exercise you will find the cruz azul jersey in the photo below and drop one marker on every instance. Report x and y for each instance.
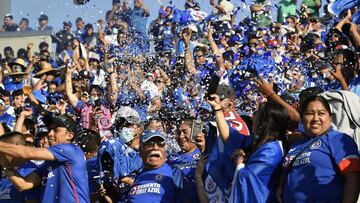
(65, 180)
(316, 175)
(187, 162)
(8, 192)
(163, 184)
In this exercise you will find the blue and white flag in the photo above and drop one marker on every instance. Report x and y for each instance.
(126, 160)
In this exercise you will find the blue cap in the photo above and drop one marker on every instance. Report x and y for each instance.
(38, 94)
(147, 135)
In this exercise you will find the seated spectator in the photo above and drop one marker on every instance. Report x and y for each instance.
(43, 24)
(24, 25)
(9, 25)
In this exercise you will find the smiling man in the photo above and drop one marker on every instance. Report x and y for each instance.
(63, 175)
(157, 182)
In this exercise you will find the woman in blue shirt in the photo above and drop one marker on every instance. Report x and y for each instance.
(325, 166)
(256, 179)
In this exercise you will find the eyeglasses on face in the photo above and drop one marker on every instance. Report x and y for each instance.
(159, 143)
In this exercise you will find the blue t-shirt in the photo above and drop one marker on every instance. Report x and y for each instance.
(11, 86)
(315, 175)
(65, 180)
(93, 171)
(8, 192)
(138, 22)
(163, 184)
(354, 85)
(187, 162)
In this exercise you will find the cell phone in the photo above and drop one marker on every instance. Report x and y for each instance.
(196, 128)
(213, 85)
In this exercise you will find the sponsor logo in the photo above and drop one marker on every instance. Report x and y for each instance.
(145, 188)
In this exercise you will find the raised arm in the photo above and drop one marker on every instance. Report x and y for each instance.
(26, 153)
(20, 121)
(267, 89)
(69, 88)
(189, 61)
(143, 6)
(113, 88)
(222, 125)
(215, 50)
(339, 77)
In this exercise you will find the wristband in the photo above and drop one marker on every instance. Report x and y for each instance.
(215, 110)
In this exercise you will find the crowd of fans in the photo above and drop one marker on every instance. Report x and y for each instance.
(194, 107)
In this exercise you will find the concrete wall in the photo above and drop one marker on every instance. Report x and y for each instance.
(19, 40)
(5, 8)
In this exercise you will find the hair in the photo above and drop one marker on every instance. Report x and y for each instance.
(88, 140)
(202, 49)
(312, 98)
(10, 49)
(7, 136)
(187, 121)
(9, 16)
(17, 93)
(271, 121)
(21, 53)
(26, 20)
(308, 92)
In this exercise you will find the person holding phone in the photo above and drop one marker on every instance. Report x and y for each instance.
(187, 159)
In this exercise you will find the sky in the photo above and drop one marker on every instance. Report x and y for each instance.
(61, 10)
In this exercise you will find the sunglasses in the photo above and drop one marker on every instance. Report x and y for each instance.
(150, 144)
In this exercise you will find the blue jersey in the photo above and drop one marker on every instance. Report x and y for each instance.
(187, 162)
(163, 184)
(8, 192)
(65, 180)
(93, 171)
(257, 180)
(315, 175)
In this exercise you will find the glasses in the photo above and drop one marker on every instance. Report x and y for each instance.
(198, 56)
(159, 143)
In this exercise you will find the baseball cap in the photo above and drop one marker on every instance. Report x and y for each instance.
(128, 114)
(78, 20)
(68, 23)
(43, 17)
(148, 134)
(61, 121)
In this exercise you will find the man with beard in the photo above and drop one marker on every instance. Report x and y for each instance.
(157, 182)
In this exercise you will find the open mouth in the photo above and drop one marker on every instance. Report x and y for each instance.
(154, 154)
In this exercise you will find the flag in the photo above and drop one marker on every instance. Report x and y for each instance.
(220, 165)
(339, 6)
(258, 180)
(236, 122)
(126, 160)
(186, 17)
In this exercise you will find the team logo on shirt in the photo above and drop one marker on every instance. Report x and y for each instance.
(196, 156)
(145, 188)
(210, 185)
(159, 177)
(315, 145)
